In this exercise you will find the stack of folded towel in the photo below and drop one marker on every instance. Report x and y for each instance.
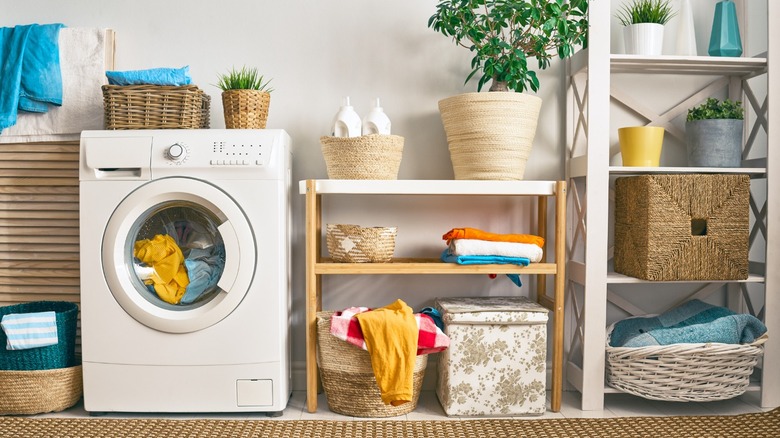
(471, 246)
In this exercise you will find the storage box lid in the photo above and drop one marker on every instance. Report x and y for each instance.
(491, 310)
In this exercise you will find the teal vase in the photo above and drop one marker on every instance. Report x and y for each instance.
(725, 40)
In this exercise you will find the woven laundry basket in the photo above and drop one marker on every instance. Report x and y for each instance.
(490, 135)
(348, 379)
(355, 244)
(155, 107)
(246, 109)
(682, 227)
(372, 156)
(683, 372)
(39, 391)
(60, 355)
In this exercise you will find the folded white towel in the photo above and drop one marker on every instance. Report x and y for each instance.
(467, 247)
(30, 330)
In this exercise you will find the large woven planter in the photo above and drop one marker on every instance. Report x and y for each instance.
(490, 134)
(245, 109)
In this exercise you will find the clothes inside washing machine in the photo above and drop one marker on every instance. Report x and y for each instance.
(178, 254)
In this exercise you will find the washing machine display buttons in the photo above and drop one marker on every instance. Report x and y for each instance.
(176, 152)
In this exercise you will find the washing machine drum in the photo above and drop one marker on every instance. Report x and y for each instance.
(171, 255)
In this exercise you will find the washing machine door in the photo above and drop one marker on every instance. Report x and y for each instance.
(178, 254)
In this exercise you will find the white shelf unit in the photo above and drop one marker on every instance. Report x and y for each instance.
(317, 265)
(591, 101)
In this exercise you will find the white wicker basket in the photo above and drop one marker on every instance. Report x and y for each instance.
(356, 244)
(683, 372)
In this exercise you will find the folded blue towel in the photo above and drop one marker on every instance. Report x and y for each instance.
(30, 330)
(448, 257)
(204, 268)
(30, 75)
(690, 323)
(153, 76)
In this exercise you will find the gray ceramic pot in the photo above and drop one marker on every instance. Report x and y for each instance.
(714, 142)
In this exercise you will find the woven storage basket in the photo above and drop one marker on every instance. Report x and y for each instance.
(40, 391)
(683, 372)
(682, 227)
(245, 109)
(348, 379)
(490, 134)
(356, 244)
(61, 355)
(155, 107)
(372, 156)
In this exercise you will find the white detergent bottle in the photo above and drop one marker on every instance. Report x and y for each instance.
(347, 121)
(376, 121)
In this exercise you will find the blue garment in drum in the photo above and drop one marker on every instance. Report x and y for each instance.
(204, 268)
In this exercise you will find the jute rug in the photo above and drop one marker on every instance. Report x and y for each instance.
(747, 425)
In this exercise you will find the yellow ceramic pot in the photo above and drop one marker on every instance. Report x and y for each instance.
(641, 145)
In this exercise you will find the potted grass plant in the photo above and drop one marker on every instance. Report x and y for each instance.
(643, 25)
(490, 134)
(713, 132)
(246, 98)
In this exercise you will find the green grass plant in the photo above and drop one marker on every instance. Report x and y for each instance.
(243, 79)
(645, 11)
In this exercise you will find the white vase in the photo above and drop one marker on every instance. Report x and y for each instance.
(686, 34)
(645, 39)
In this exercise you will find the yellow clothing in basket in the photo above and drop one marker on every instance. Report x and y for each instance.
(391, 334)
(170, 278)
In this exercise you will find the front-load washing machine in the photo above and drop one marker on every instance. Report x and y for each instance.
(185, 270)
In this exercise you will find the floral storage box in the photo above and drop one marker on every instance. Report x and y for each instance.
(496, 363)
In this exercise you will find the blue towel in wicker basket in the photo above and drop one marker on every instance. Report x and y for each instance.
(61, 355)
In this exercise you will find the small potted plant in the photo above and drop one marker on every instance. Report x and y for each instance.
(490, 134)
(714, 133)
(246, 98)
(643, 25)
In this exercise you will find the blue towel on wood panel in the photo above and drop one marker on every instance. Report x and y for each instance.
(30, 330)
(153, 76)
(448, 257)
(30, 75)
(690, 323)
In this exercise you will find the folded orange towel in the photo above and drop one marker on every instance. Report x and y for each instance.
(473, 233)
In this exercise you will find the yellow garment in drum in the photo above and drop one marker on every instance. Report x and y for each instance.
(170, 278)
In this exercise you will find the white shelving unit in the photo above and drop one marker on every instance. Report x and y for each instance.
(317, 265)
(592, 101)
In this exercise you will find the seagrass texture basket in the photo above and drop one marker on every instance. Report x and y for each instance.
(245, 109)
(355, 244)
(348, 379)
(490, 135)
(372, 156)
(155, 107)
(60, 355)
(683, 372)
(39, 391)
(682, 227)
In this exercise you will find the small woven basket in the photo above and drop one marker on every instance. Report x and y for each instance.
(37, 392)
(60, 355)
(683, 372)
(356, 244)
(245, 109)
(372, 156)
(348, 379)
(155, 107)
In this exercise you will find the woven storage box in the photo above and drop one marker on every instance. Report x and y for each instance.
(356, 244)
(155, 107)
(683, 372)
(245, 109)
(682, 227)
(61, 355)
(40, 391)
(348, 379)
(366, 157)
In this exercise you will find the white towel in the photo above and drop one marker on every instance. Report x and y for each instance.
(83, 64)
(30, 330)
(468, 247)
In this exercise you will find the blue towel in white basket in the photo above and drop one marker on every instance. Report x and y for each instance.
(30, 330)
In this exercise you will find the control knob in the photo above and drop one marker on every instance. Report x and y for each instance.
(176, 152)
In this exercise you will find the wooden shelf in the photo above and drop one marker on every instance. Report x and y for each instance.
(675, 65)
(430, 187)
(428, 266)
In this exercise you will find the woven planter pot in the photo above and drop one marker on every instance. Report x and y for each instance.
(245, 109)
(490, 134)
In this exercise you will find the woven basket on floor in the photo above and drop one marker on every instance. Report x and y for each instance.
(348, 379)
(356, 244)
(372, 156)
(155, 107)
(490, 134)
(60, 355)
(40, 391)
(245, 109)
(683, 372)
